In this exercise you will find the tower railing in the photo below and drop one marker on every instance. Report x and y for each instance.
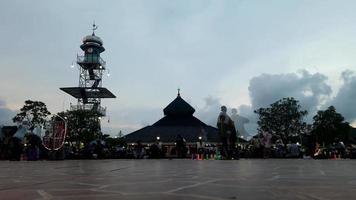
(99, 109)
(91, 60)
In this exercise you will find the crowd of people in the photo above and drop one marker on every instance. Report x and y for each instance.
(258, 147)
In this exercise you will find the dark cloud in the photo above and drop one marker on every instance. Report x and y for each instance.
(344, 101)
(309, 89)
(6, 114)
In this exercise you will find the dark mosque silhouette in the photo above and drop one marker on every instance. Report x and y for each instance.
(178, 120)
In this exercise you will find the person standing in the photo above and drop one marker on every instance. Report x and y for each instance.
(180, 146)
(227, 134)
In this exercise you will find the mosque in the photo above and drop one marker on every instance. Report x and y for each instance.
(178, 120)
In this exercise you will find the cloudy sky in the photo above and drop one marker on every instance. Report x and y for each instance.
(243, 54)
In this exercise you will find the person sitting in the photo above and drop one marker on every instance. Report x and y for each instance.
(318, 154)
(293, 151)
(279, 151)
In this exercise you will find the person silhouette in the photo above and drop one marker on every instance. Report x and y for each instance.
(227, 133)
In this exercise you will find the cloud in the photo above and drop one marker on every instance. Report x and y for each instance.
(6, 114)
(344, 101)
(309, 89)
(210, 111)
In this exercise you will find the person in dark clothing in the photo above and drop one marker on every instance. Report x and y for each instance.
(180, 147)
(34, 143)
(16, 148)
(154, 151)
(98, 149)
(233, 151)
(227, 134)
(139, 151)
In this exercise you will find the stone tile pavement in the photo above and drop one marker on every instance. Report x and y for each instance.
(179, 179)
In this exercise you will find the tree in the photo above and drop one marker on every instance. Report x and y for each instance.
(328, 126)
(283, 119)
(83, 125)
(34, 112)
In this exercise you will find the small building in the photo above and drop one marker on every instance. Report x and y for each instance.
(178, 120)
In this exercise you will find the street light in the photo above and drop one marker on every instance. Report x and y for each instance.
(200, 137)
(157, 137)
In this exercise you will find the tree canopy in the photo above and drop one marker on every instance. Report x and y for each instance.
(83, 125)
(330, 126)
(34, 112)
(283, 119)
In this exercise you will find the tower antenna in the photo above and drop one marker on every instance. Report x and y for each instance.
(94, 27)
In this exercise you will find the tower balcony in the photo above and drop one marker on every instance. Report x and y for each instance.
(88, 61)
(89, 107)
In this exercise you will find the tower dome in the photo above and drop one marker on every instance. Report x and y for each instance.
(92, 42)
(92, 38)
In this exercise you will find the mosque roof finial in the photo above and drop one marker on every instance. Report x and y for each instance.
(94, 28)
(179, 92)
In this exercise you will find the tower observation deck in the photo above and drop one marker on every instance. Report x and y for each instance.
(91, 69)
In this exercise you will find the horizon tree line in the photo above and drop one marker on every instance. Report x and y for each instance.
(284, 119)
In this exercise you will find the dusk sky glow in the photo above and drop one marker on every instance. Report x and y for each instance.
(243, 54)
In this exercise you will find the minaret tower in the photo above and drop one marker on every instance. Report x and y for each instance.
(91, 69)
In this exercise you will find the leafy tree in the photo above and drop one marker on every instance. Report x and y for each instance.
(35, 112)
(283, 119)
(83, 125)
(329, 126)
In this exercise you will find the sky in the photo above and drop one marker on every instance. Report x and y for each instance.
(242, 54)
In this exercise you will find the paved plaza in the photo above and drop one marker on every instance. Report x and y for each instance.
(179, 179)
